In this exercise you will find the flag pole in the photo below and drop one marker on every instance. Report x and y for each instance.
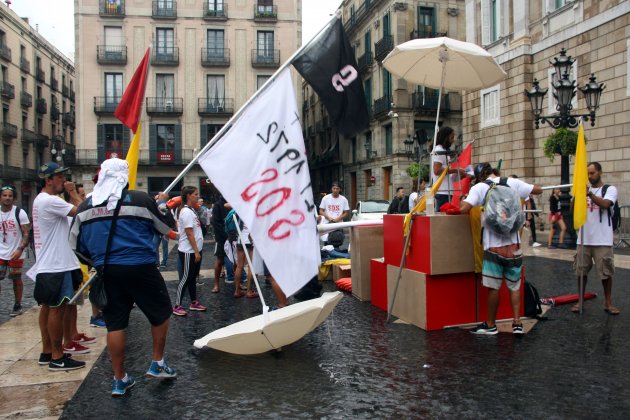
(238, 113)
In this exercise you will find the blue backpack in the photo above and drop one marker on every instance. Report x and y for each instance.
(230, 226)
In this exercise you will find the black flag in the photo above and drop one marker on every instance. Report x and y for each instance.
(329, 66)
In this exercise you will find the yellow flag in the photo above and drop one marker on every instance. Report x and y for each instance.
(580, 181)
(132, 158)
(422, 203)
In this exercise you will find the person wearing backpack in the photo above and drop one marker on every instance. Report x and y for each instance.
(502, 217)
(595, 238)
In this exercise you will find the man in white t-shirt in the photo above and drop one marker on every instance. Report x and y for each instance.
(57, 273)
(502, 256)
(597, 237)
(14, 241)
(334, 207)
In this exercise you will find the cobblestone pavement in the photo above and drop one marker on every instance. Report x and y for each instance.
(358, 365)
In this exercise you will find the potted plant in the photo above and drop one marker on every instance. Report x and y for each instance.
(562, 142)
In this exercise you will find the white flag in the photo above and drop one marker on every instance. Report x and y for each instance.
(260, 167)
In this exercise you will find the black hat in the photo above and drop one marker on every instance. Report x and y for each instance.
(49, 169)
(481, 168)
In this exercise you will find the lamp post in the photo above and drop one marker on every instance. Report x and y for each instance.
(565, 90)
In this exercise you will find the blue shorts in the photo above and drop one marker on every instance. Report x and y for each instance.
(496, 268)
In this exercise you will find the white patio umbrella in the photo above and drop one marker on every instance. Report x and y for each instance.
(444, 63)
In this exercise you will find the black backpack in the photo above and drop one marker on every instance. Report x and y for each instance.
(614, 219)
(533, 309)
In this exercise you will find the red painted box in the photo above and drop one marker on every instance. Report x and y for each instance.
(378, 280)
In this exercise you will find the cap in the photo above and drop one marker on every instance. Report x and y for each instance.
(49, 169)
(480, 168)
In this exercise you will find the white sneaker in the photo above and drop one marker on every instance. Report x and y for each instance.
(536, 245)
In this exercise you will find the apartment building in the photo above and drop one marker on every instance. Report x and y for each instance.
(207, 59)
(524, 37)
(38, 105)
(372, 164)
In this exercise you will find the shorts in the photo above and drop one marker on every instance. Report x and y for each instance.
(555, 217)
(13, 267)
(53, 289)
(496, 268)
(219, 250)
(240, 247)
(601, 255)
(142, 284)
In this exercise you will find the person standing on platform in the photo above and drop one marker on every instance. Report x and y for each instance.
(502, 257)
(595, 241)
(334, 207)
(440, 159)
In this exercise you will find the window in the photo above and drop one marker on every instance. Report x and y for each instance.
(216, 93)
(387, 83)
(368, 144)
(165, 42)
(264, 45)
(426, 22)
(367, 40)
(264, 6)
(210, 131)
(113, 42)
(216, 43)
(165, 90)
(215, 6)
(367, 87)
(490, 106)
(260, 81)
(491, 21)
(386, 25)
(165, 143)
(553, 77)
(113, 88)
(389, 147)
(552, 5)
(114, 141)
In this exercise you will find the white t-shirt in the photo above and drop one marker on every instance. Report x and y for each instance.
(333, 207)
(598, 233)
(50, 232)
(449, 180)
(413, 200)
(188, 219)
(11, 232)
(475, 198)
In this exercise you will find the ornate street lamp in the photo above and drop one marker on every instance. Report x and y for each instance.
(565, 90)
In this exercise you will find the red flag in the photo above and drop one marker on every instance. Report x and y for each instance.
(128, 110)
(462, 162)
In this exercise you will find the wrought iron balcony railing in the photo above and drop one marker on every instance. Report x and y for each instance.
(159, 106)
(265, 58)
(215, 106)
(26, 99)
(265, 13)
(5, 52)
(7, 90)
(9, 131)
(165, 56)
(111, 54)
(41, 107)
(365, 61)
(383, 47)
(25, 65)
(214, 11)
(164, 9)
(111, 8)
(215, 57)
(105, 105)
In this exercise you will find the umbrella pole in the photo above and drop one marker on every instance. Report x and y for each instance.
(443, 59)
(402, 264)
(251, 265)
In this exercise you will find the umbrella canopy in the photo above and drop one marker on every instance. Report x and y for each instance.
(466, 66)
(284, 326)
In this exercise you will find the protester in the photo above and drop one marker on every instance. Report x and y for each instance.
(398, 204)
(15, 230)
(595, 238)
(56, 270)
(502, 257)
(555, 217)
(189, 251)
(530, 204)
(161, 199)
(204, 216)
(243, 244)
(333, 208)
(131, 274)
(440, 159)
(96, 320)
(417, 193)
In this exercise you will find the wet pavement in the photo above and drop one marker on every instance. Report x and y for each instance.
(358, 365)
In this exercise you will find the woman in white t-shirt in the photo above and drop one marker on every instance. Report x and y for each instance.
(189, 250)
(439, 161)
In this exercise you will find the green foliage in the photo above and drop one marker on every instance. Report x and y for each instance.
(561, 142)
(415, 168)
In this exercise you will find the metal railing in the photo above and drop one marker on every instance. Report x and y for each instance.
(68, 119)
(215, 106)
(54, 112)
(265, 58)
(29, 136)
(9, 131)
(25, 65)
(41, 107)
(11, 172)
(7, 90)
(382, 105)
(111, 54)
(40, 75)
(216, 12)
(104, 105)
(164, 9)
(109, 8)
(54, 83)
(5, 52)
(215, 57)
(265, 13)
(26, 99)
(365, 61)
(415, 34)
(165, 56)
(383, 47)
(65, 90)
(165, 106)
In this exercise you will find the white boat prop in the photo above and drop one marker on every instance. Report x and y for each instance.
(283, 326)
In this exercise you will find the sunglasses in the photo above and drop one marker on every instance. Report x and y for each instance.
(7, 188)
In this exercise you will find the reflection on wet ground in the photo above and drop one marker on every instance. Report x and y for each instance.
(358, 365)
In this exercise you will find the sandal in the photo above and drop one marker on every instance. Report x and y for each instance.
(575, 308)
(238, 295)
(215, 289)
(611, 310)
(243, 287)
(251, 295)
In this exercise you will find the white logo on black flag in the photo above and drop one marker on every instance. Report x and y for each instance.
(329, 66)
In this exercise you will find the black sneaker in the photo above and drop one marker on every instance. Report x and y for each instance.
(484, 329)
(517, 329)
(17, 310)
(65, 363)
(45, 358)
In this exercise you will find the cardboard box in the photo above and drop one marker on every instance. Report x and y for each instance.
(340, 271)
(504, 311)
(378, 282)
(439, 244)
(432, 302)
(366, 243)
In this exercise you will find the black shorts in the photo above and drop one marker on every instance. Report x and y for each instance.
(49, 287)
(219, 248)
(142, 284)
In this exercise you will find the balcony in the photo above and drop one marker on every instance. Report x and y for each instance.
(26, 99)
(383, 47)
(7, 90)
(5, 52)
(41, 107)
(365, 61)
(165, 107)
(11, 172)
(426, 102)
(265, 13)
(363, 12)
(165, 56)
(220, 107)
(41, 141)
(146, 157)
(70, 155)
(164, 9)
(215, 57)
(9, 131)
(54, 112)
(40, 75)
(25, 65)
(68, 119)
(29, 136)
(54, 84)
(111, 8)
(105, 105)
(65, 90)
(214, 12)
(415, 34)
(111, 54)
(265, 58)
(382, 106)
